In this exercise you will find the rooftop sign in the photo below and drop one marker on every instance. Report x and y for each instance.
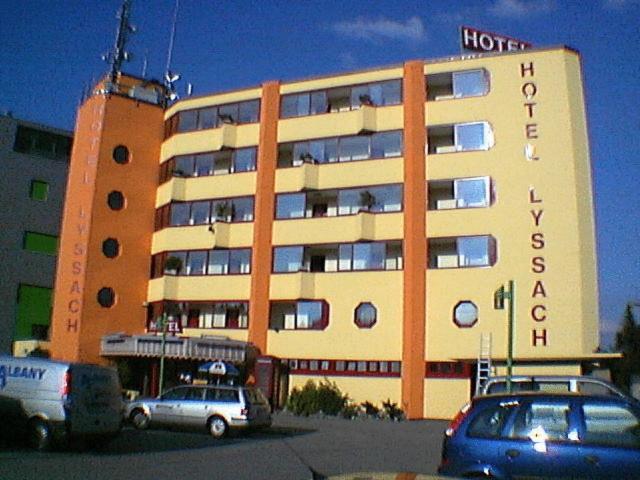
(479, 41)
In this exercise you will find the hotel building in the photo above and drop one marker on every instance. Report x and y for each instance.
(354, 227)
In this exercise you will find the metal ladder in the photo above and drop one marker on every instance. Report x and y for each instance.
(484, 368)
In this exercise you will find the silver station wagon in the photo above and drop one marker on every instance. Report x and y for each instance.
(218, 408)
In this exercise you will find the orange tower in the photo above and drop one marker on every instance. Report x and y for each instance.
(103, 263)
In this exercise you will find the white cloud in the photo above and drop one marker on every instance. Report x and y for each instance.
(618, 4)
(521, 8)
(382, 29)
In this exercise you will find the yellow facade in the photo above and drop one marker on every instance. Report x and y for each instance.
(540, 216)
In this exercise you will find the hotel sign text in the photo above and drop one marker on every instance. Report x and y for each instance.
(479, 41)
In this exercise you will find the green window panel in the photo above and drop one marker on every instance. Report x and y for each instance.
(39, 190)
(33, 312)
(40, 243)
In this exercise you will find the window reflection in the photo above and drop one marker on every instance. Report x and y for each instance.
(213, 117)
(299, 315)
(339, 257)
(450, 85)
(475, 251)
(202, 262)
(238, 209)
(343, 149)
(341, 99)
(287, 259)
(384, 198)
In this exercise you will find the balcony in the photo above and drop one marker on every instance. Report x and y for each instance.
(365, 226)
(201, 287)
(365, 119)
(214, 139)
(219, 234)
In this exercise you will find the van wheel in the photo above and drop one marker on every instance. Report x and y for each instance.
(139, 419)
(217, 427)
(40, 437)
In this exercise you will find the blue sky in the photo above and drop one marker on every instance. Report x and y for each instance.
(50, 51)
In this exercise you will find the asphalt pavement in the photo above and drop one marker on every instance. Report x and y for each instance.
(292, 449)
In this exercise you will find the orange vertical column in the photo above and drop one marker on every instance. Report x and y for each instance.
(261, 255)
(105, 241)
(415, 251)
(71, 270)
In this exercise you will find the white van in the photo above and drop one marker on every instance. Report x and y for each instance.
(53, 401)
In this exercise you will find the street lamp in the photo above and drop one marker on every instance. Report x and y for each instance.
(162, 323)
(498, 302)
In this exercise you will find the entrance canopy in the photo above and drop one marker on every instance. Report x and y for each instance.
(183, 348)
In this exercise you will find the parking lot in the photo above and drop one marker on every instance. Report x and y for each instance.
(291, 449)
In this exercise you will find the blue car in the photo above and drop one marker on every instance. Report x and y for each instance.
(544, 435)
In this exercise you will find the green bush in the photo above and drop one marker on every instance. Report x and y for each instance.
(392, 411)
(350, 410)
(324, 397)
(370, 409)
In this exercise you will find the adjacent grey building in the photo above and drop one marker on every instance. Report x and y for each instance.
(34, 161)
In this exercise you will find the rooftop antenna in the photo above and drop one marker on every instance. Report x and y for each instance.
(145, 63)
(170, 78)
(119, 55)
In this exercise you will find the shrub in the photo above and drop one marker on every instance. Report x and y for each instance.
(370, 409)
(392, 411)
(350, 410)
(325, 397)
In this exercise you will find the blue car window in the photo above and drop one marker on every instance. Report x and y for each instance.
(225, 395)
(176, 394)
(222, 395)
(194, 394)
(549, 420)
(610, 425)
(489, 423)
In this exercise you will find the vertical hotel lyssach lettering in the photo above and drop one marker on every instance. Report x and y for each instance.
(352, 227)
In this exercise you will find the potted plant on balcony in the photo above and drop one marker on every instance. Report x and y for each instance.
(173, 265)
(367, 200)
(224, 211)
(365, 99)
(307, 158)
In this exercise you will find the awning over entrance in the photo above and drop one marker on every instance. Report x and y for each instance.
(186, 348)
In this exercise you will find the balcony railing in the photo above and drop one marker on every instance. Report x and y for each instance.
(189, 348)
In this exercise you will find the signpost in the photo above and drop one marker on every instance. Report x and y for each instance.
(499, 297)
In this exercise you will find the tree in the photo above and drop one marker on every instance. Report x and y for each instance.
(628, 343)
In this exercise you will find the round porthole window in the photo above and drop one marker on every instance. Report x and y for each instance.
(366, 315)
(121, 154)
(115, 200)
(465, 314)
(111, 248)
(106, 297)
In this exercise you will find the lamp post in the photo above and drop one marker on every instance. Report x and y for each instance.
(163, 322)
(499, 297)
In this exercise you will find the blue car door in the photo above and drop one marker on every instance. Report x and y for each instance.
(542, 440)
(610, 439)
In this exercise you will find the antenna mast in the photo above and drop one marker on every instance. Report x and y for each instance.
(170, 77)
(119, 55)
